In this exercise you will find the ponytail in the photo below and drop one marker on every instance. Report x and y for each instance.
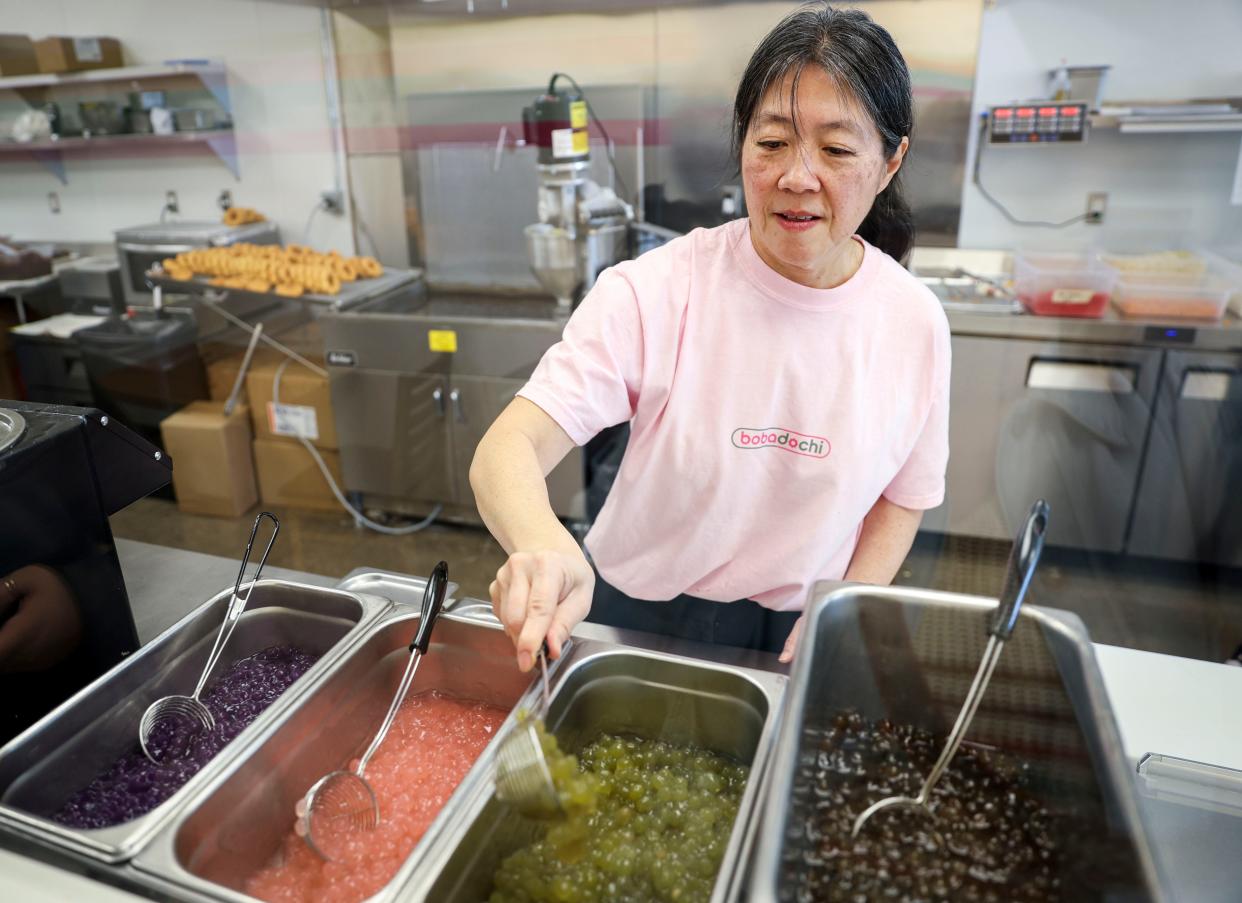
(889, 225)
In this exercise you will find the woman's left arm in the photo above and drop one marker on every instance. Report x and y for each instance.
(888, 531)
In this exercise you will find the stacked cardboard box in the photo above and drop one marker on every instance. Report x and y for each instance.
(17, 55)
(287, 472)
(60, 54)
(213, 472)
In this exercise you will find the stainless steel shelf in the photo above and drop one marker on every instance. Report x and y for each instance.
(204, 70)
(221, 142)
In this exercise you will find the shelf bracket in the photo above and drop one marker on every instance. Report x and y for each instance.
(225, 147)
(1236, 197)
(53, 161)
(216, 81)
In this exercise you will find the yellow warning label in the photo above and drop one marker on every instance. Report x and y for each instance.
(578, 114)
(442, 340)
(580, 142)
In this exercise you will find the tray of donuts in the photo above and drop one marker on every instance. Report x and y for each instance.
(291, 271)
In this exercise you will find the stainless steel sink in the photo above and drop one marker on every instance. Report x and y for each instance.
(453, 304)
(490, 307)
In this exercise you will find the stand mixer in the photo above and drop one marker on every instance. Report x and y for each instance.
(582, 228)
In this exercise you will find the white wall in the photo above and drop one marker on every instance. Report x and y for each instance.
(1177, 186)
(272, 52)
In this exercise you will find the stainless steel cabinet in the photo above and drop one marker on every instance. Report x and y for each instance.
(1189, 504)
(1059, 421)
(474, 402)
(395, 439)
(409, 417)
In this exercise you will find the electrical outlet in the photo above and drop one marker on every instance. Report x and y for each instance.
(333, 201)
(225, 200)
(1097, 204)
(53, 202)
(170, 202)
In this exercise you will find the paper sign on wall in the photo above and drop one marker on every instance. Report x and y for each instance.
(292, 420)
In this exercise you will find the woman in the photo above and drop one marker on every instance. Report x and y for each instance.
(785, 380)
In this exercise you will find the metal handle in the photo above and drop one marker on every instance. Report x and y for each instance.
(543, 673)
(240, 380)
(237, 604)
(455, 397)
(500, 147)
(437, 395)
(1070, 376)
(433, 601)
(1027, 547)
(1207, 385)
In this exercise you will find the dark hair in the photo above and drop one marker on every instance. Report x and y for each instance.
(863, 60)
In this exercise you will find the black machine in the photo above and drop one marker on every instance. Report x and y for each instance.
(64, 613)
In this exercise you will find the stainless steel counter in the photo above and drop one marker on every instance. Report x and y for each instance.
(1111, 329)
(1162, 704)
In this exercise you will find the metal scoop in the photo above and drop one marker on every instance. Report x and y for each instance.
(523, 779)
(341, 804)
(1021, 568)
(158, 731)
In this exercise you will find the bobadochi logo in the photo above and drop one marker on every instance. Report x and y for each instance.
(778, 437)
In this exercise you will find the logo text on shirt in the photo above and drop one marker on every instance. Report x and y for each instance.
(779, 437)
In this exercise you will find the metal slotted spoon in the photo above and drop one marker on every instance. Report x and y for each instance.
(1021, 568)
(342, 804)
(165, 715)
(523, 779)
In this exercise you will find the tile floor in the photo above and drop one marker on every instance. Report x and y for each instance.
(1143, 604)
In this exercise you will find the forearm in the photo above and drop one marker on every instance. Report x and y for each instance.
(511, 492)
(888, 532)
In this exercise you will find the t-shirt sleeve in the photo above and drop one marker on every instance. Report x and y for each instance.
(920, 482)
(590, 379)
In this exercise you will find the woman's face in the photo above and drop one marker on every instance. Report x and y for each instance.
(807, 192)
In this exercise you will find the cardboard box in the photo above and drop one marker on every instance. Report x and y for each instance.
(213, 472)
(305, 403)
(222, 373)
(288, 475)
(60, 54)
(17, 55)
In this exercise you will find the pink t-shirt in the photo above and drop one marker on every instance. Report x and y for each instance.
(766, 417)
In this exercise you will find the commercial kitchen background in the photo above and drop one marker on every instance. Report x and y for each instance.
(424, 152)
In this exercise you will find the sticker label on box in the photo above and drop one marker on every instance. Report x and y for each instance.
(442, 340)
(292, 420)
(1072, 296)
(87, 50)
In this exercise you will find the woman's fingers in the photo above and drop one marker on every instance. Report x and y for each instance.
(545, 594)
(514, 585)
(791, 644)
(569, 614)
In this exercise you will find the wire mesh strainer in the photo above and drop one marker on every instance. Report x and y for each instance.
(341, 805)
(170, 725)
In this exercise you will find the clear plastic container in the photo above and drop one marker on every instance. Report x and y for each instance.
(1063, 285)
(1229, 264)
(1181, 285)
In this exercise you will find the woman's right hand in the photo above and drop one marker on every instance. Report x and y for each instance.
(542, 595)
